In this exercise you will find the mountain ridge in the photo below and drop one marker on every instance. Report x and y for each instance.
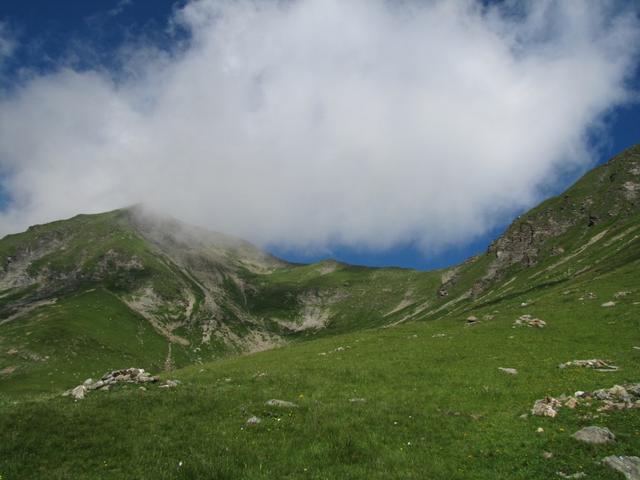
(206, 294)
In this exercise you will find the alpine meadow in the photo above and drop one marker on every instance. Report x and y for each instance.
(216, 190)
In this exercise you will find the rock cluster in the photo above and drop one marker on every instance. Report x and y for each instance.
(528, 321)
(127, 375)
(618, 397)
(596, 363)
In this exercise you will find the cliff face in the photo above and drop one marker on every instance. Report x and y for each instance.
(607, 194)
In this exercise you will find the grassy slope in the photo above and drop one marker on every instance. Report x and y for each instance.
(437, 407)
(80, 336)
(358, 297)
(420, 419)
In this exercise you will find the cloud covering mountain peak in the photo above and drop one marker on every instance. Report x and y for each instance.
(316, 122)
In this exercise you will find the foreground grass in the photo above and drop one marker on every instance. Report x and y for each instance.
(436, 406)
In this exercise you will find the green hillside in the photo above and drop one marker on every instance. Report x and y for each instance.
(394, 373)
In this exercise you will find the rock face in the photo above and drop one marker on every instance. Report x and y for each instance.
(604, 192)
(595, 435)
(127, 375)
(628, 466)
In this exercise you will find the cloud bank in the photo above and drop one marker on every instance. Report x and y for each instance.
(310, 123)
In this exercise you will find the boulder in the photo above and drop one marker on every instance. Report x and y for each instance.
(628, 466)
(608, 304)
(510, 371)
(595, 435)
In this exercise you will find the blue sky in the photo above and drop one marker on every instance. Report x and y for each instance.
(89, 36)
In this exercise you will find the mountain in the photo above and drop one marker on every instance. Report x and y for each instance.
(395, 373)
(88, 292)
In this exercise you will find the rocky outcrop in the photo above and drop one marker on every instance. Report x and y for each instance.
(127, 375)
(610, 190)
(618, 397)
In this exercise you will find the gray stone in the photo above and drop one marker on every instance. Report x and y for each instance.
(280, 403)
(595, 435)
(608, 304)
(628, 466)
(510, 371)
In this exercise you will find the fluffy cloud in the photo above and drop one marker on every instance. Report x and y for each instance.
(310, 123)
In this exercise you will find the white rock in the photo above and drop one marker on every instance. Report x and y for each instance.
(280, 403)
(79, 392)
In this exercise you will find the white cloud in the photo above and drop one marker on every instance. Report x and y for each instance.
(315, 122)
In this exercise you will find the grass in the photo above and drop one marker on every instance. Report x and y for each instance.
(80, 336)
(436, 407)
